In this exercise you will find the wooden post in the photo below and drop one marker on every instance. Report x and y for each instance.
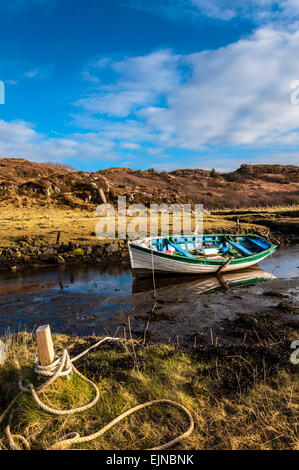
(58, 237)
(45, 345)
(2, 353)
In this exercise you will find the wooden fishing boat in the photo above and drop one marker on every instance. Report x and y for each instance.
(197, 254)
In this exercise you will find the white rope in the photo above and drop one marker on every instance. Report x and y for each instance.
(61, 367)
(272, 259)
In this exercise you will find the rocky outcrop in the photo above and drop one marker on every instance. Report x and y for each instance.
(89, 192)
(25, 183)
(17, 258)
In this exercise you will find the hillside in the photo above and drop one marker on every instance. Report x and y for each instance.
(25, 184)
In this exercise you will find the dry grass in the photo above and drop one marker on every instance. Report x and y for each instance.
(262, 208)
(39, 226)
(42, 224)
(265, 417)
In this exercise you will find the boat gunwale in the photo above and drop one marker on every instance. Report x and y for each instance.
(235, 261)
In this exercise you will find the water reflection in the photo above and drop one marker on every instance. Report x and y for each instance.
(98, 299)
(202, 284)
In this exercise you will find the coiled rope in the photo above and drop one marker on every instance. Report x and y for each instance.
(61, 367)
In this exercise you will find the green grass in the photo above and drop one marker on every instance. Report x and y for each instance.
(263, 417)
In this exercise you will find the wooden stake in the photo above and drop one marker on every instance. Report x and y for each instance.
(58, 237)
(45, 345)
(2, 353)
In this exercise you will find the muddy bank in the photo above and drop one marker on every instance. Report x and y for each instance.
(179, 313)
(238, 340)
(189, 319)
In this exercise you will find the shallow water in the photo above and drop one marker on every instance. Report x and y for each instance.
(284, 263)
(99, 299)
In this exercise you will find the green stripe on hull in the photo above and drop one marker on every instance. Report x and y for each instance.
(235, 262)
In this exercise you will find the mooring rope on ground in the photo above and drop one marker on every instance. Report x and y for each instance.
(62, 367)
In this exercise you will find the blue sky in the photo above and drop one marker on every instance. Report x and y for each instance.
(147, 83)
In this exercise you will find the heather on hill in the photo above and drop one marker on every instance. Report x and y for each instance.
(25, 183)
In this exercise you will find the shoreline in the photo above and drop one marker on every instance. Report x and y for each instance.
(73, 254)
(20, 259)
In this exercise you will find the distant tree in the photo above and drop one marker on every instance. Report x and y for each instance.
(247, 169)
(66, 166)
(153, 171)
(213, 173)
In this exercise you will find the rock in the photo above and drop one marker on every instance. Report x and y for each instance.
(102, 196)
(104, 184)
(287, 308)
(55, 188)
(5, 187)
(33, 187)
(97, 251)
(90, 192)
(111, 248)
(47, 252)
(78, 252)
(88, 250)
(60, 259)
(9, 252)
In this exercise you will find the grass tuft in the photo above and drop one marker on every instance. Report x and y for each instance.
(262, 417)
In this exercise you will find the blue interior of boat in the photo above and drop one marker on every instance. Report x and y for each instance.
(241, 248)
(191, 246)
(181, 250)
(259, 242)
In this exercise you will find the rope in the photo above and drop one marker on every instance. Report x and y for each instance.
(272, 259)
(77, 439)
(153, 273)
(61, 367)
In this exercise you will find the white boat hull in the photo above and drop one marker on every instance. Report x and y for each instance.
(143, 261)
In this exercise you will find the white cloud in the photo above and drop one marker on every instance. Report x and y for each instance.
(18, 68)
(130, 146)
(39, 72)
(140, 80)
(259, 11)
(237, 95)
(20, 139)
(89, 77)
